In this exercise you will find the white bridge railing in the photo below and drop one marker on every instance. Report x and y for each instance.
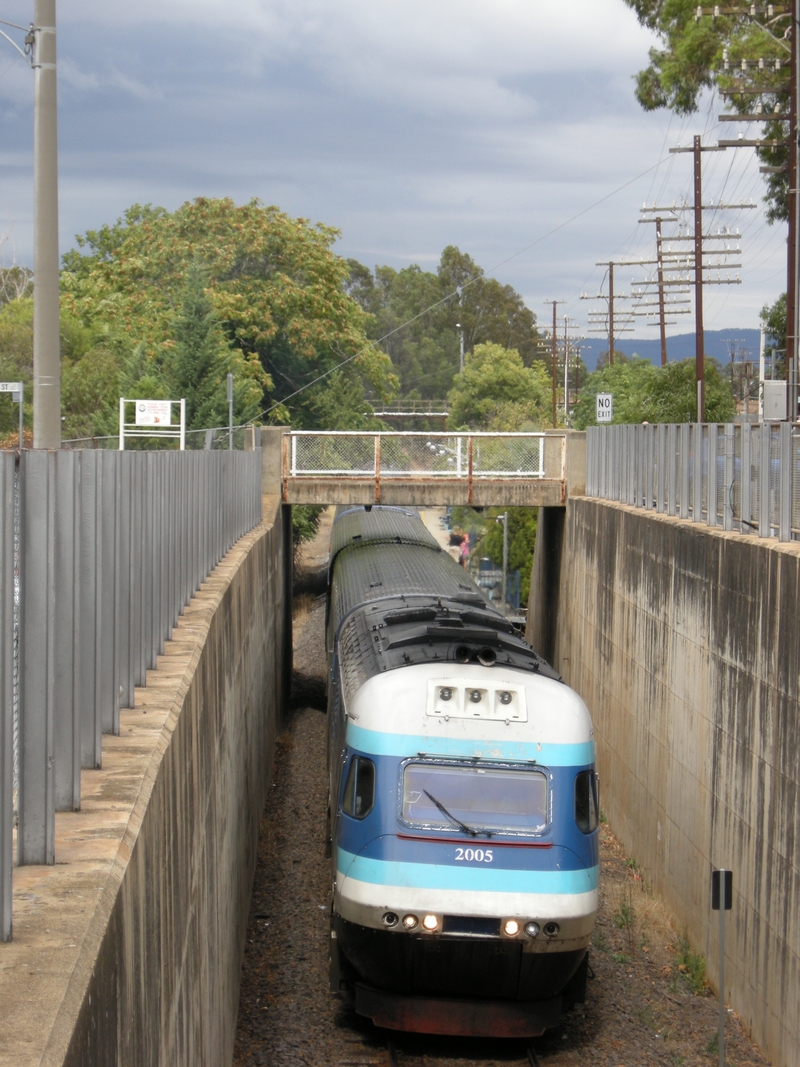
(736, 476)
(467, 456)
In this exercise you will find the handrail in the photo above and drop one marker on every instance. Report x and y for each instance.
(737, 476)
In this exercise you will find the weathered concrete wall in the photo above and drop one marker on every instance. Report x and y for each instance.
(684, 643)
(129, 950)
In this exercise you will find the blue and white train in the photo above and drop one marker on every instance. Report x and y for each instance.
(463, 797)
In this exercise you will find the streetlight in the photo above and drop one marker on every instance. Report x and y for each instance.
(40, 54)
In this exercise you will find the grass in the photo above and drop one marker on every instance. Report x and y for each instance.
(302, 606)
(600, 942)
(625, 918)
(692, 965)
(620, 957)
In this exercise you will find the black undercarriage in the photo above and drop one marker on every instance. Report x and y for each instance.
(400, 962)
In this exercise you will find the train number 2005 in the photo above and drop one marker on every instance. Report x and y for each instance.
(481, 855)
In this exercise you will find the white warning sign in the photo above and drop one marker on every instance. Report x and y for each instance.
(605, 407)
(153, 412)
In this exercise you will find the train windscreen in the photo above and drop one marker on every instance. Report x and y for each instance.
(474, 798)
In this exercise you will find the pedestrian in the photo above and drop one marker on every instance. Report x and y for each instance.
(464, 553)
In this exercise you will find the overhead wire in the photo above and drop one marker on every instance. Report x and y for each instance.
(456, 292)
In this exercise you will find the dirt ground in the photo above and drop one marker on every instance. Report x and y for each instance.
(646, 1003)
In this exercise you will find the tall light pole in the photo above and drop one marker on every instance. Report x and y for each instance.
(46, 342)
(460, 329)
(504, 589)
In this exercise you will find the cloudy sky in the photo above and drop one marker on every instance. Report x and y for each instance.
(407, 124)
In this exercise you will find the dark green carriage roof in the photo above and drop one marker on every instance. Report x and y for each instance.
(404, 600)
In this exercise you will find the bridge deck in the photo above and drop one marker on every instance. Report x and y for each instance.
(426, 469)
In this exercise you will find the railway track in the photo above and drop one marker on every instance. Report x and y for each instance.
(393, 1056)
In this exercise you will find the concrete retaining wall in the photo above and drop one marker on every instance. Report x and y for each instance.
(129, 951)
(684, 643)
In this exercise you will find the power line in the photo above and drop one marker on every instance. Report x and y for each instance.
(466, 285)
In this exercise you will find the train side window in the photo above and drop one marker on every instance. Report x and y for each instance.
(586, 801)
(359, 790)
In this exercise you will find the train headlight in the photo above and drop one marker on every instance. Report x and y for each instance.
(445, 694)
(475, 696)
(410, 921)
(430, 923)
(505, 697)
(389, 919)
(532, 929)
(511, 927)
(551, 929)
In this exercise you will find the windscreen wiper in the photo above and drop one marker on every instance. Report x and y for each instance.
(451, 817)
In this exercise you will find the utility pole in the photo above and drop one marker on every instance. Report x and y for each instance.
(555, 361)
(661, 312)
(595, 318)
(566, 364)
(46, 314)
(791, 11)
(696, 264)
(611, 314)
(460, 329)
(793, 272)
(699, 339)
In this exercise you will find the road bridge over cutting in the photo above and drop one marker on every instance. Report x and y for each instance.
(430, 469)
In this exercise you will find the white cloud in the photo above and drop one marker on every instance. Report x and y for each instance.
(409, 124)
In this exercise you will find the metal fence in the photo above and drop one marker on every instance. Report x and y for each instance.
(112, 546)
(414, 455)
(736, 476)
(213, 439)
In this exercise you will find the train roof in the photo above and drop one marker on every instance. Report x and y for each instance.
(378, 525)
(400, 599)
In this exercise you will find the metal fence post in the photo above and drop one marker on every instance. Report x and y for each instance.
(86, 596)
(728, 488)
(711, 491)
(7, 465)
(697, 476)
(785, 503)
(106, 695)
(685, 431)
(661, 463)
(763, 480)
(66, 724)
(638, 490)
(37, 811)
(123, 640)
(649, 468)
(746, 516)
(672, 468)
(632, 465)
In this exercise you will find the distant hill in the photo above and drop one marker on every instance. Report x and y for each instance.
(679, 347)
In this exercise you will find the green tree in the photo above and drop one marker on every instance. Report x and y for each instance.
(461, 298)
(644, 393)
(197, 366)
(16, 359)
(773, 316)
(274, 283)
(498, 392)
(721, 52)
(521, 543)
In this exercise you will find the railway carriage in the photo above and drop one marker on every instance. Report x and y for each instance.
(463, 797)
